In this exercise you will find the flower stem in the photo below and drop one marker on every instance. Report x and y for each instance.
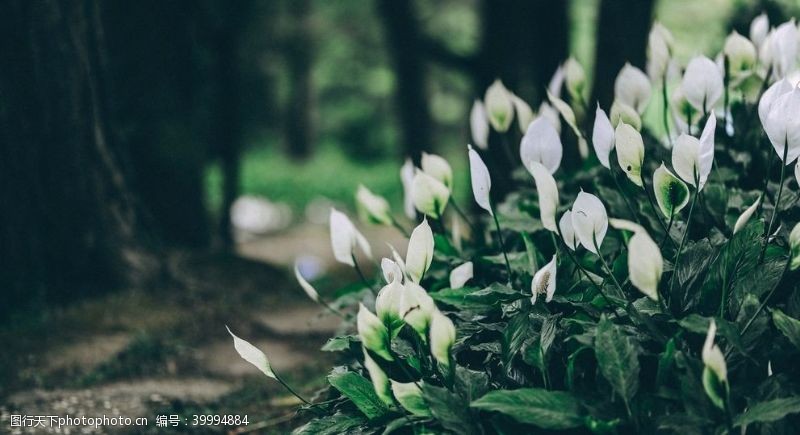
(400, 227)
(777, 200)
(683, 239)
(625, 198)
(500, 239)
(669, 228)
(766, 181)
(361, 274)
(288, 388)
(463, 215)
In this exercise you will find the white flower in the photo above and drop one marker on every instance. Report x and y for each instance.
(443, 335)
(461, 274)
(544, 282)
(380, 382)
(741, 54)
(481, 180)
(568, 114)
(568, 231)
(499, 107)
(630, 152)
(416, 308)
(625, 225)
(645, 264)
(556, 81)
(345, 237)
(548, 194)
(387, 303)
(783, 48)
(524, 113)
(681, 110)
(712, 355)
(621, 112)
(702, 83)
(542, 144)
(391, 269)
(590, 221)
(575, 78)
(632, 87)
(420, 251)
(373, 333)
(659, 51)
(407, 178)
(479, 125)
(438, 168)
(430, 195)
(409, 395)
(759, 28)
(372, 208)
(745, 216)
(602, 137)
(252, 354)
(693, 158)
(308, 288)
(782, 122)
(671, 193)
(794, 246)
(549, 113)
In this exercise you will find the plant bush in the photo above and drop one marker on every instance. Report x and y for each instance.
(648, 286)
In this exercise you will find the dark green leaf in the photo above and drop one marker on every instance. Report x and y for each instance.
(788, 326)
(618, 357)
(360, 391)
(470, 298)
(514, 335)
(543, 408)
(471, 384)
(772, 410)
(449, 410)
(331, 425)
(337, 344)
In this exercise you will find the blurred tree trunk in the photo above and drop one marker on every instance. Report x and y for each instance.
(622, 30)
(299, 50)
(406, 50)
(71, 223)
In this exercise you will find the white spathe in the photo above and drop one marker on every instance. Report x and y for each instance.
(541, 143)
(759, 28)
(568, 231)
(693, 158)
(373, 333)
(345, 237)
(630, 152)
(544, 281)
(602, 137)
(575, 78)
(407, 179)
(632, 87)
(437, 167)
(480, 179)
(430, 195)
(479, 125)
(461, 274)
(645, 264)
(702, 84)
(712, 355)
(308, 288)
(420, 251)
(499, 107)
(590, 221)
(524, 113)
(743, 218)
(372, 208)
(416, 308)
(782, 123)
(442, 335)
(548, 194)
(659, 52)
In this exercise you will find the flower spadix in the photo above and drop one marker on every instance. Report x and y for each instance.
(715, 373)
(437, 167)
(420, 251)
(548, 194)
(702, 83)
(479, 125)
(345, 237)
(372, 208)
(252, 354)
(499, 107)
(544, 281)
(430, 195)
(568, 231)
(461, 274)
(590, 221)
(542, 144)
(645, 264)
(442, 337)
(743, 218)
(481, 180)
(779, 110)
(630, 152)
(632, 87)
(416, 308)
(671, 193)
(602, 137)
(693, 158)
(373, 333)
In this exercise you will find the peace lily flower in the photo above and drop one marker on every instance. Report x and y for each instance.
(759, 28)
(625, 225)
(308, 288)
(794, 246)
(407, 179)
(524, 113)
(373, 333)
(568, 231)
(252, 354)
(499, 107)
(702, 83)
(548, 194)
(568, 114)
(461, 274)
(602, 137)
(429, 194)
(387, 304)
(420, 251)
(575, 78)
(443, 335)
(671, 193)
(542, 144)
(630, 152)
(632, 87)
(409, 395)
(779, 110)
(745, 216)
(481, 181)
(715, 374)
(781, 49)
(693, 158)
(590, 221)
(380, 381)
(621, 112)
(645, 264)
(741, 54)
(659, 51)
(398, 260)
(345, 237)
(479, 125)
(372, 208)
(438, 168)
(391, 270)
(544, 282)
(549, 113)
(682, 111)
(416, 308)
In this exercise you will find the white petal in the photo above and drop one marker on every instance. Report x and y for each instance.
(783, 125)
(632, 87)
(524, 113)
(702, 83)
(373, 333)
(758, 29)
(343, 237)
(671, 193)
(544, 281)
(542, 144)
(481, 180)
(479, 125)
(768, 98)
(420, 251)
(430, 195)
(372, 208)
(659, 51)
(407, 178)
(685, 158)
(745, 216)
(387, 303)
(626, 225)
(549, 113)
(602, 137)
(557, 81)
(417, 308)
(252, 354)
(499, 108)
(712, 355)
(575, 77)
(391, 271)
(548, 194)
(308, 288)
(784, 48)
(567, 113)
(630, 152)
(645, 264)
(567, 231)
(461, 274)
(705, 157)
(590, 220)
(443, 335)
(438, 168)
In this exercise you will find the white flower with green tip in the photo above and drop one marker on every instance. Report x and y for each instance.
(419, 254)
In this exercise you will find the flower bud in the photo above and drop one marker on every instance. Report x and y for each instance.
(419, 254)
(372, 208)
(416, 308)
(443, 335)
(715, 375)
(632, 87)
(345, 237)
(430, 195)
(479, 125)
(373, 333)
(741, 222)
(499, 107)
(380, 381)
(387, 305)
(575, 78)
(252, 354)
(438, 168)
(590, 221)
(645, 264)
(702, 84)
(461, 274)
(794, 247)
(541, 143)
(621, 112)
(480, 179)
(409, 395)
(671, 193)
(630, 152)
(741, 54)
(544, 282)
(602, 137)
(548, 194)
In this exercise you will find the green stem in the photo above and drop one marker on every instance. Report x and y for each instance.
(669, 228)
(683, 239)
(400, 227)
(500, 240)
(766, 181)
(361, 274)
(777, 200)
(288, 388)
(653, 206)
(625, 198)
(463, 215)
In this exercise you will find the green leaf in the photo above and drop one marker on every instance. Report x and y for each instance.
(514, 335)
(471, 384)
(449, 410)
(618, 357)
(360, 391)
(772, 410)
(470, 298)
(543, 408)
(331, 425)
(338, 344)
(789, 326)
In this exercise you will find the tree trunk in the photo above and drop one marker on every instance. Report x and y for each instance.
(299, 57)
(71, 223)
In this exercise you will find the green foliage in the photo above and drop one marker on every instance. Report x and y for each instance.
(542, 408)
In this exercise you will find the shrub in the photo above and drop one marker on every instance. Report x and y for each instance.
(646, 287)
